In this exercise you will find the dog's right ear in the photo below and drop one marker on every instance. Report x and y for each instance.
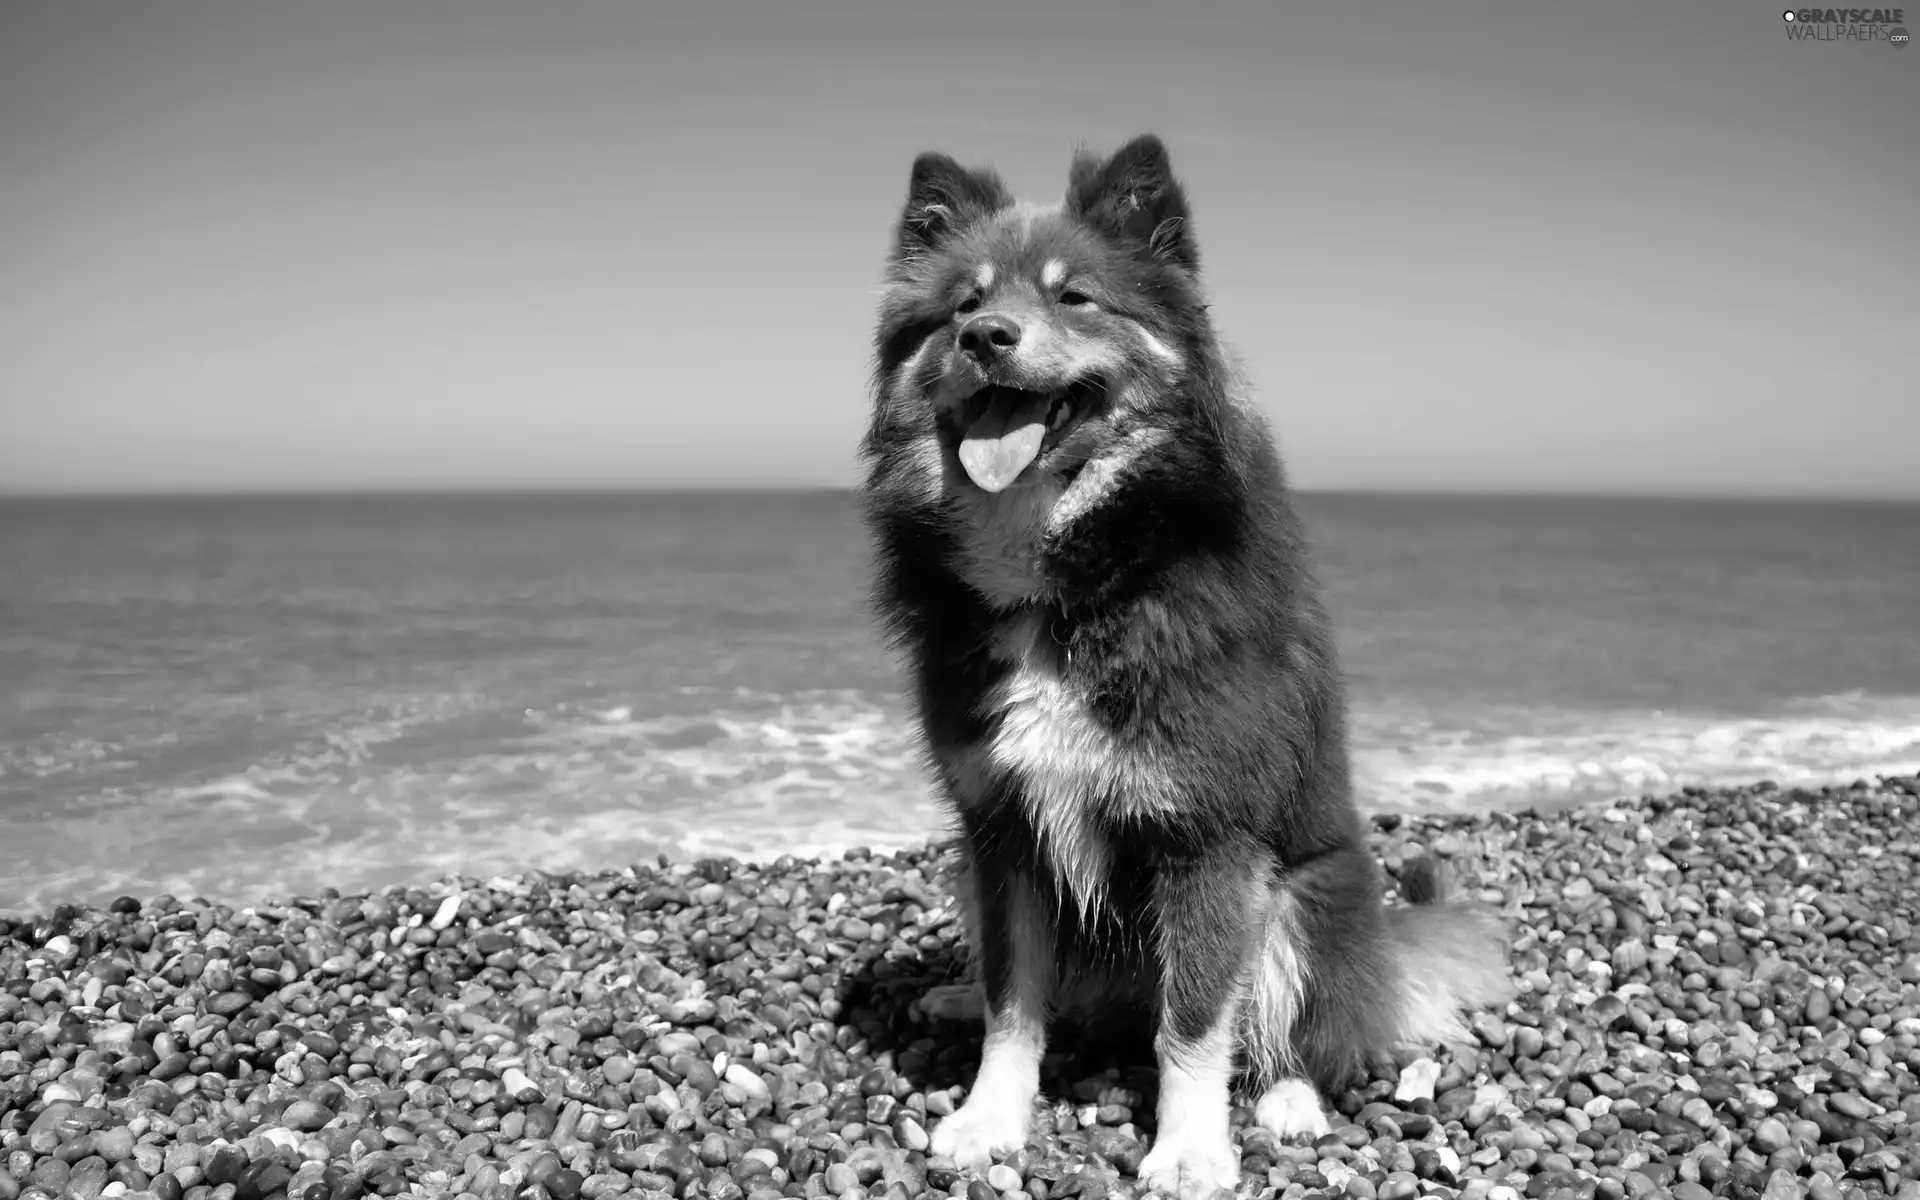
(943, 196)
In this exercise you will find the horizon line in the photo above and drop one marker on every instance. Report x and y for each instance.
(8, 496)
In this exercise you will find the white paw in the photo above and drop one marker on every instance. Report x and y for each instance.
(1291, 1108)
(955, 1002)
(982, 1128)
(1191, 1164)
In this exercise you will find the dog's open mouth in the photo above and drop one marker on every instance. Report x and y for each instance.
(1006, 429)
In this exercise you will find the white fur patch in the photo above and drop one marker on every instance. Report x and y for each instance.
(983, 279)
(1445, 967)
(1027, 213)
(1101, 476)
(917, 479)
(1071, 768)
(904, 395)
(929, 464)
(994, 1119)
(1291, 1108)
(1161, 350)
(998, 1110)
(921, 479)
(1277, 991)
(1429, 1013)
(1053, 274)
(1192, 1153)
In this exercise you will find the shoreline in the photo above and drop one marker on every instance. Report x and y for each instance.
(1720, 994)
(612, 838)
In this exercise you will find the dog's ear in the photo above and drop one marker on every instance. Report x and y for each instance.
(1134, 198)
(943, 196)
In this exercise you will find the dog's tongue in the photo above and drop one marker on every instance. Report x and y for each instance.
(999, 445)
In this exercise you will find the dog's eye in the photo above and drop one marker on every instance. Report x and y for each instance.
(970, 304)
(1076, 299)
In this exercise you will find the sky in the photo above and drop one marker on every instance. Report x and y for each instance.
(1539, 245)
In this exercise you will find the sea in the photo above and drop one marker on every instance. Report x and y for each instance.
(243, 698)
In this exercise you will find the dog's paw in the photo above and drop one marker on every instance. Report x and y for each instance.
(980, 1129)
(1291, 1108)
(1191, 1164)
(955, 1002)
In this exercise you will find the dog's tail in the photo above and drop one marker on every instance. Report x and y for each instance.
(1327, 996)
(1451, 959)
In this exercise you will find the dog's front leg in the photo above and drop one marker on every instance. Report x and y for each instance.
(1016, 973)
(1205, 912)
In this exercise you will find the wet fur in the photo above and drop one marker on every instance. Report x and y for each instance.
(1125, 677)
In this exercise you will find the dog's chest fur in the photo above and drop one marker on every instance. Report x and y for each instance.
(1071, 775)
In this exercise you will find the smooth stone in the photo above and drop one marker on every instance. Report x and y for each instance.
(1416, 1081)
(1004, 1178)
(306, 1116)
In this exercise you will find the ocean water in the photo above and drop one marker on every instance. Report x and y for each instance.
(238, 698)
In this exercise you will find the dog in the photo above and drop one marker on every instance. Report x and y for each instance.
(1086, 551)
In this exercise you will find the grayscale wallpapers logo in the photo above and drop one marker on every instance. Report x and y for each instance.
(1847, 25)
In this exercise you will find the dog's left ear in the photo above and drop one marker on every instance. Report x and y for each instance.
(1134, 197)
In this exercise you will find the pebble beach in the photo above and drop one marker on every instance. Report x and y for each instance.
(1719, 995)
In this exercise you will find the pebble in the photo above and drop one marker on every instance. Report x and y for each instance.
(514, 1082)
(306, 1116)
(840, 1179)
(1416, 1080)
(1769, 1135)
(1720, 993)
(1004, 1178)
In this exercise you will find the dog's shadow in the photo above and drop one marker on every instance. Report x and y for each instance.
(1102, 1061)
(1106, 1063)
(881, 998)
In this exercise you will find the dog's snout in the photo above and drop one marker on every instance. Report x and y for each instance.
(990, 335)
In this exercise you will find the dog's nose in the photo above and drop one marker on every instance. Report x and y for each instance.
(988, 336)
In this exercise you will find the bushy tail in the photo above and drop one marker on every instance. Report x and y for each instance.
(1452, 959)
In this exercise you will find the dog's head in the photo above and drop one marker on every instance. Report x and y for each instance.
(1033, 334)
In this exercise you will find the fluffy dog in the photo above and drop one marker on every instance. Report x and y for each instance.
(1087, 553)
